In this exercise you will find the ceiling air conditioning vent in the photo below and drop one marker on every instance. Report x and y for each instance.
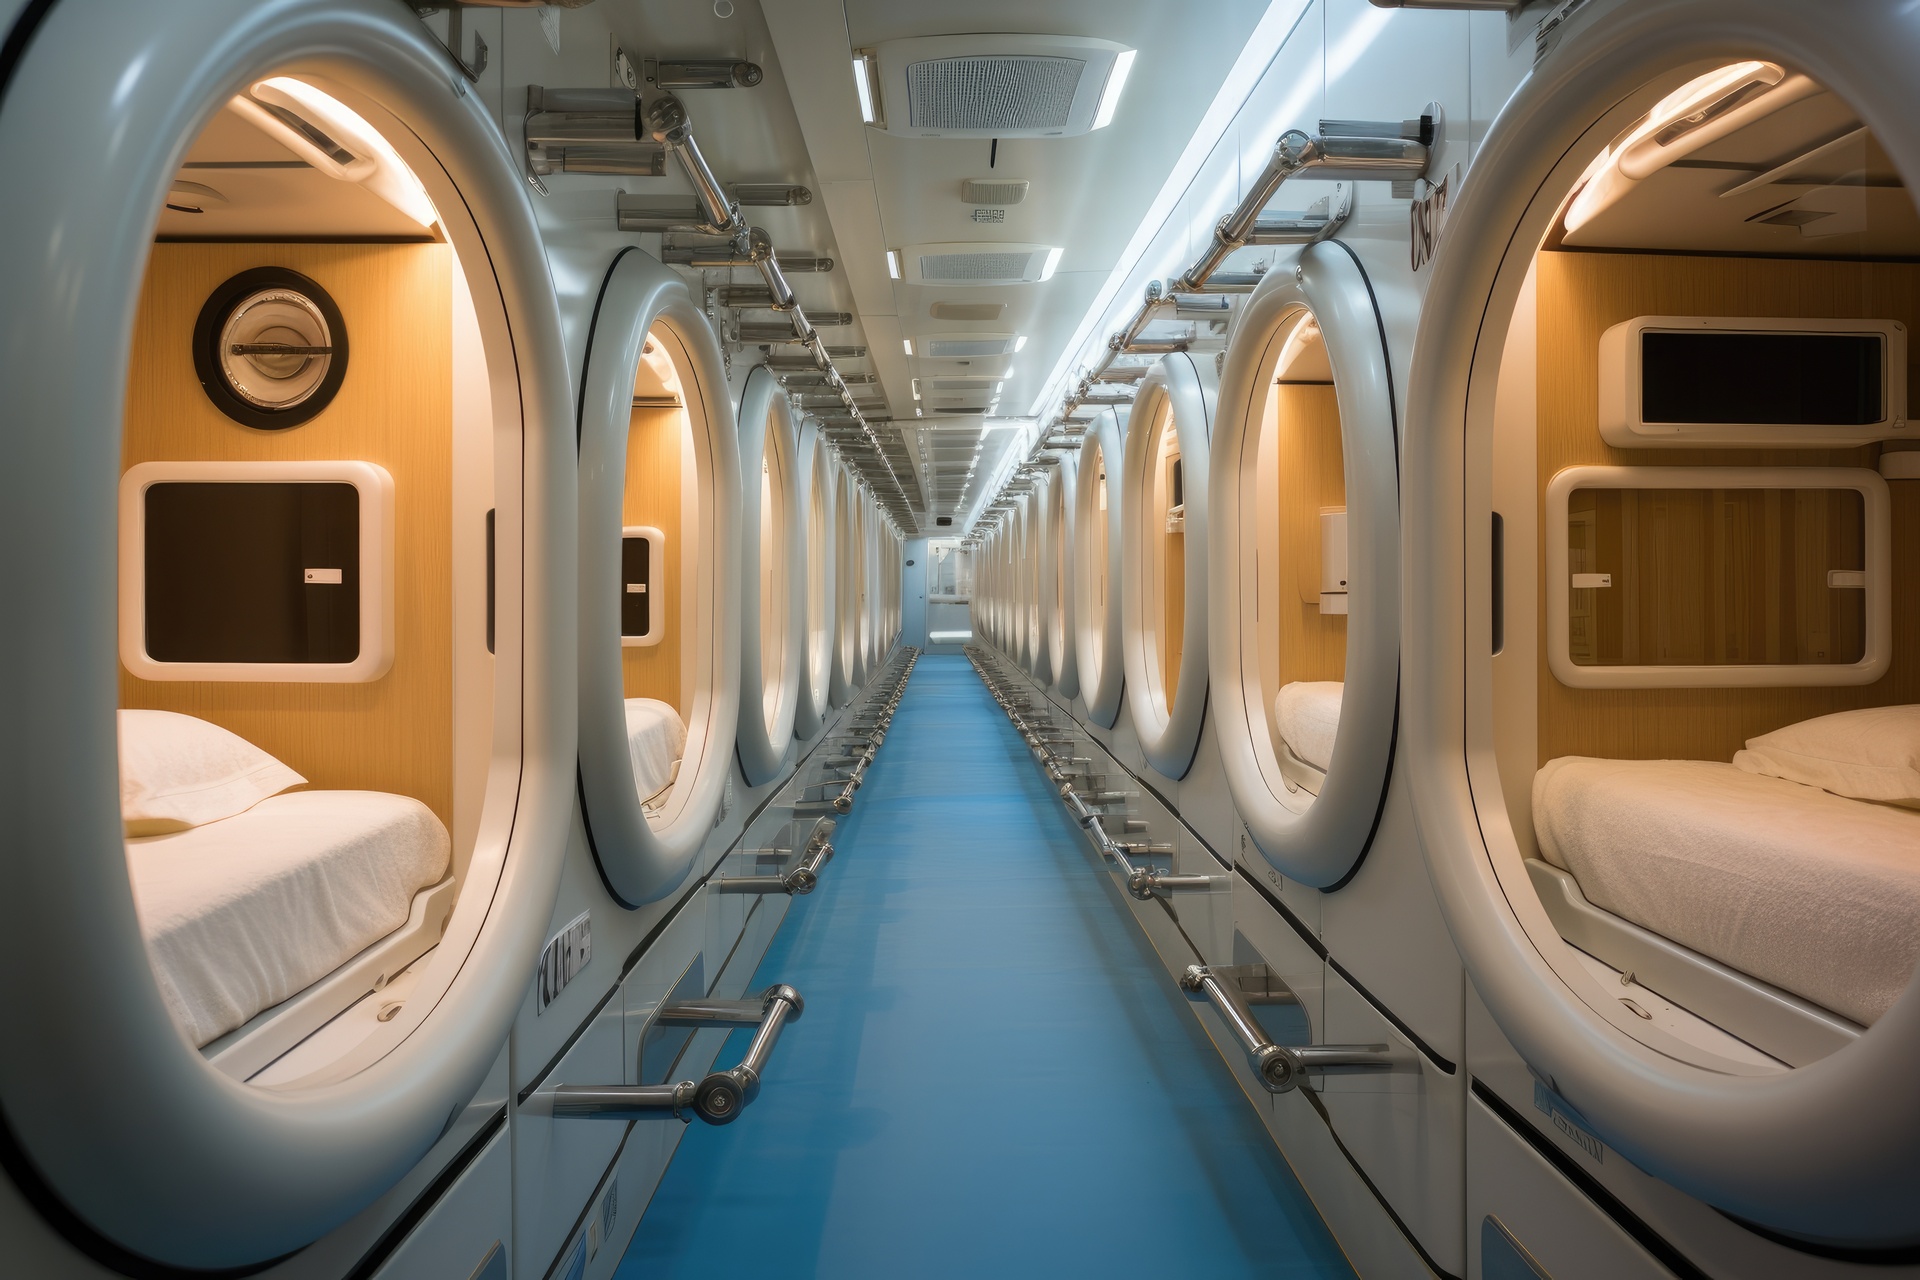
(966, 310)
(973, 264)
(993, 190)
(972, 386)
(994, 86)
(969, 346)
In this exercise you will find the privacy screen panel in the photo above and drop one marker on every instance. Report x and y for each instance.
(252, 572)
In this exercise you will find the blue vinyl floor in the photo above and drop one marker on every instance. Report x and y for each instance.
(994, 1075)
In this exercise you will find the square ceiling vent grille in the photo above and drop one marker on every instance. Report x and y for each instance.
(993, 86)
(992, 94)
(977, 265)
(969, 346)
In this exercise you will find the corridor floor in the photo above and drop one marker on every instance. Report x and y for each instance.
(994, 1075)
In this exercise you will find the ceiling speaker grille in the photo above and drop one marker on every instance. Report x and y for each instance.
(993, 190)
(993, 92)
(966, 310)
(974, 266)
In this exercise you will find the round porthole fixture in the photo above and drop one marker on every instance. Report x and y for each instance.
(270, 348)
(1163, 560)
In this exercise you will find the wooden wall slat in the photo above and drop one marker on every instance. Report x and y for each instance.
(394, 408)
(1583, 294)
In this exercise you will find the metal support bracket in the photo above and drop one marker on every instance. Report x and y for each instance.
(456, 30)
(701, 73)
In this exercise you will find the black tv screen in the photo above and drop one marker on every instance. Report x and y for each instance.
(1770, 379)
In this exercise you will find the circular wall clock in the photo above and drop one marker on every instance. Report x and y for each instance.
(270, 348)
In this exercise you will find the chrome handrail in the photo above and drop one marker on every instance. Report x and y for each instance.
(720, 1096)
(1282, 1068)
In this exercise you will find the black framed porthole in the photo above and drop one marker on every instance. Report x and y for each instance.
(270, 348)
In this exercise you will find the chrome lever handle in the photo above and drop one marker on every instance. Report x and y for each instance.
(803, 879)
(1281, 1068)
(720, 1096)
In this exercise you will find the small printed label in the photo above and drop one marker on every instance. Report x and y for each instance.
(636, 588)
(1428, 214)
(327, 577)
(564, 956)
(1591, 581)
(1568, 1121)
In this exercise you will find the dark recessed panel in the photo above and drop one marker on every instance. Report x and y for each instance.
(252, 572)
(636, 585)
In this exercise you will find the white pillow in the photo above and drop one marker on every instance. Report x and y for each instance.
(1869, 754)
(178, 772)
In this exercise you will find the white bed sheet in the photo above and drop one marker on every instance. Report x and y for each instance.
(656, 737)
(1309, 716)
(242, 913)
(1816, 894)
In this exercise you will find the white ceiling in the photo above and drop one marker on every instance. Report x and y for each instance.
(1088, 194)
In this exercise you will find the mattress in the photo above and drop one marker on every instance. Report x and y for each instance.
(242, 913)
(655, 739)
(1816, 894)
(1309, 716)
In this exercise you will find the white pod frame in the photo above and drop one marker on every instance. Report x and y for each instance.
(1323, 843)
(1056, 578)
(639, 862)
(1098, 657)
(1039, 551)
(135, 1147)
(813, 473)
(848, 674)
(765, 737)
(1169, 735)
(1829, 1151)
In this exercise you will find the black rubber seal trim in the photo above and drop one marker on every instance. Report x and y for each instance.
(1299, 926)
(1320, 1109)
(18, 38)
(88, 1239)
(1588, 1185)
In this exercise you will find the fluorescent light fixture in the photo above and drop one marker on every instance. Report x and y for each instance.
(863, 85)
(1019, 342)
(1053, 263)
(908, 344)
(1110, 96)
(1661, 138)
(288, 109)
(893, 263)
